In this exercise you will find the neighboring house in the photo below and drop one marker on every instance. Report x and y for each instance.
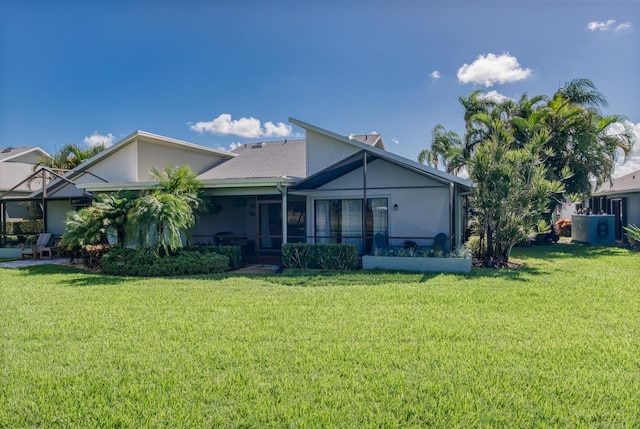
(620, 198)
(326, 188)
(16, 167)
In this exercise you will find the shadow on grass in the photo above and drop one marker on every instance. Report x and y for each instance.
(84, 278)
(567, 250)
(311, 278)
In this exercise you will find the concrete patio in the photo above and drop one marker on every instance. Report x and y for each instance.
(31, 262)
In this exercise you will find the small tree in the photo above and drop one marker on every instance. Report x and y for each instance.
(512, 191)
(114, 211)
(83, 227)
(161, 218)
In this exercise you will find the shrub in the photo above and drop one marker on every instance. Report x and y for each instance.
(563, 227)
(92, 255)
(323, 256)
(132, 262)
(234, 253)
(28, 227)
(633, 235)
(473, 244)
(68, 252)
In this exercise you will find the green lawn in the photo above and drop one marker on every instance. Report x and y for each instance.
(555, 343)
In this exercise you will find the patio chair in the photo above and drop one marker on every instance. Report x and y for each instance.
(380, 241)
(34, 252)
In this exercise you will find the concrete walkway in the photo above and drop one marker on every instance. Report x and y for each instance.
(30, 262)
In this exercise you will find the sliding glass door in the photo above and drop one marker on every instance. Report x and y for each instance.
(341, 221)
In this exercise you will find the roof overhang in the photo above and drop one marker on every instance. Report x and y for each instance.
(356, 161)
(206, 184)
(249, 182)
(409, 164)
(142, 136)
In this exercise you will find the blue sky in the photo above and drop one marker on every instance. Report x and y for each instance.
(218, 73)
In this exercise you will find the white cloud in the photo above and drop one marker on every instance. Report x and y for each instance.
(243, 127)
(633, 160)
(608, 25)
(491, 69)
(96, 139)
(435, 75)
(234, 145)
(395, 141)
(601, 25)
(374, 133)
(494, 96)
(623, 26)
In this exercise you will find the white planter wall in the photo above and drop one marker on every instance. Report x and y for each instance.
(395, 263)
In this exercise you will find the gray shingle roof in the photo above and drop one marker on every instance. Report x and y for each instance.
(12, 173)
(10, 152)
(284, 158)
(630, 182)
(370, 139)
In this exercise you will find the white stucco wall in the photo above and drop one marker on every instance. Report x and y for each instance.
(56, 216)
(323, 151)
(382, 174)
(120, 166)
(423, 203)
(633, 209)
(159, 156)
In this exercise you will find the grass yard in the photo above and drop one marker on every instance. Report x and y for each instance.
(555, 343)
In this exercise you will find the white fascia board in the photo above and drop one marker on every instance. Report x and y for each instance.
(245, 183)
(206, 184)
(176, 142)
(116, 186)
(435, 173)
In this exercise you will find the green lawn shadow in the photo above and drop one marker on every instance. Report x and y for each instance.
(567, 250)
(83, 278)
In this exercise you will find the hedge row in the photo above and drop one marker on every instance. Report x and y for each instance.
(131, 262)
(323, 256)
(234, 253)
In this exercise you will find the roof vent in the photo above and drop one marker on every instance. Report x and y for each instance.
(7, 150)
(257, 145)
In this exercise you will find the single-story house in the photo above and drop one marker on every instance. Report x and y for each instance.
(325, 188)
(620, 198)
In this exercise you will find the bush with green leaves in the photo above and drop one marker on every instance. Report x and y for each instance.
(323, 256)
(234, 253)
(132, 262)
(28, 227)
(633, 235)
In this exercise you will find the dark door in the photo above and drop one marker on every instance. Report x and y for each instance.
(269, 231)
(616, 208)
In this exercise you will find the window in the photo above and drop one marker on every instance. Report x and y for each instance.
(340, 221)
(296, 219)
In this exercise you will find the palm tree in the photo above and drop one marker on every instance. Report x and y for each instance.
(83, 227)
(114, 210)
(69, 157)
(581, 139)
(446, 150)
(161, 218)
